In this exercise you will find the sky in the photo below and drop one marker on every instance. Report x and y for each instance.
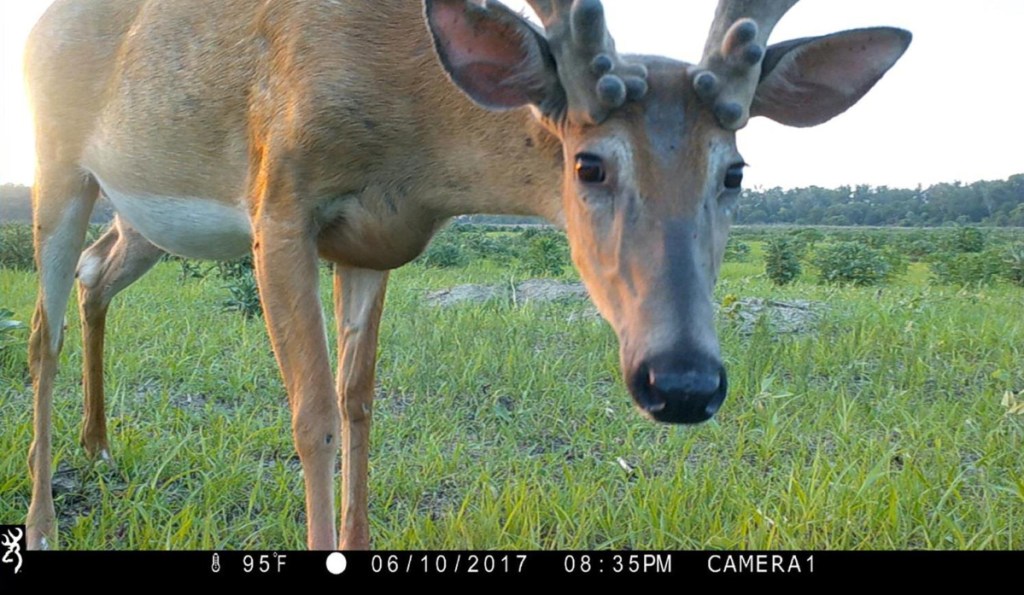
(949, 110)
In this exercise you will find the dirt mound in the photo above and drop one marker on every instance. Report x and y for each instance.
(532, 291)
(794, 316)
(546, 290)
(463, 294)
(784, 317)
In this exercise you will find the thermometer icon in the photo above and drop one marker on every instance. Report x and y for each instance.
(216, 563)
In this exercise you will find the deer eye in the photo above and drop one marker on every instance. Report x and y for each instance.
(590, 169)
(734, 177)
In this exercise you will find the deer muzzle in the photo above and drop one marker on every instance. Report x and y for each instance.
(679, 390)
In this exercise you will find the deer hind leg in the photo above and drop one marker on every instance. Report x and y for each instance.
(114, 262)
(286, 269)
(63, 201)
(358, 302)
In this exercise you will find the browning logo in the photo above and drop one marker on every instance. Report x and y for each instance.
(12, 539)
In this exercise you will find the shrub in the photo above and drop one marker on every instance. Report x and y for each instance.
(245, 296)
(853, 263)
(190, 269)
(967, 239)
(483, 245)
(782, 260)
(1013, 259)
(547, 254)
(240, 281)
(737, 251)
(230, 270)
(919, 249)
(12, 340)
(897, 261)
(967, 268)
(804, 240)
(445, 251)
(16, 248)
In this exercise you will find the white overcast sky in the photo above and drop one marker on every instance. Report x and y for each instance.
(950, 110)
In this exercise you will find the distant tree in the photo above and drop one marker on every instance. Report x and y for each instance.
(989, 203)
(16, 206)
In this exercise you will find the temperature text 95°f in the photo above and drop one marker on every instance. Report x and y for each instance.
(263, 563)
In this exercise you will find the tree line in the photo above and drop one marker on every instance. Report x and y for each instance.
(16, 206)
(998, 203)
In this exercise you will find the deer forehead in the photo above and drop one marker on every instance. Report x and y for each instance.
(667, 116)
(668, 146)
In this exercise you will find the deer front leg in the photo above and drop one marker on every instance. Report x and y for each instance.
(358, 301)
(286, 270)
(63, 202)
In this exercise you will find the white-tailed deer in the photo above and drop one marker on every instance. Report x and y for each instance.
(351, 130)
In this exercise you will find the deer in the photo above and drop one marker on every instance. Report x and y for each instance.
(351, 131)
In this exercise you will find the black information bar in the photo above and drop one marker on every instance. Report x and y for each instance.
(291, 567)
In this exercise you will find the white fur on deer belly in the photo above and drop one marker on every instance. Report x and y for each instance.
(191, 227)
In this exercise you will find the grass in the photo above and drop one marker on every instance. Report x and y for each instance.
(499, 426)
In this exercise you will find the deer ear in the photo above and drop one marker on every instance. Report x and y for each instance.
(806, 82)
(498, 59)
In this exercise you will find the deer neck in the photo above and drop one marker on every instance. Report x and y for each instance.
(457, 157)
(500, 164)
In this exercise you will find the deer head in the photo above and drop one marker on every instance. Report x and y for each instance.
(651, 169)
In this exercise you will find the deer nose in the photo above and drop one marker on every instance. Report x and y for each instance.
(681, 393)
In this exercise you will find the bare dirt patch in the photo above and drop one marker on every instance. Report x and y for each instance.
(784, 317)
(532, 291)
(463, 294)
(547, 290)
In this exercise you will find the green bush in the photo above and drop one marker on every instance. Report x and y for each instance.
(245, 296)
(967, 240)
(919, 249)
(487, 245)
(854, 263)
(240, 281)
(967, 268)
(547, 254)
(530, 232)
(782, 260)
(190, 269)
(241, 268)
(898, 264)
(13, 347)
(804, 240)
(445, 252)
(737, 251)
(1013, 260)
(16, 249)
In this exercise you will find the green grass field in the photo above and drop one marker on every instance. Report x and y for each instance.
(505, 426)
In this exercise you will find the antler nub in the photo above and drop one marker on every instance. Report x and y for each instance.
(739, 37)
(602, 64)
(611, 91)
(589, 29)
(739, 55)
(727, 77)
(595, 78)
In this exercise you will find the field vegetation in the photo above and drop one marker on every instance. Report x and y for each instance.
(892, 416)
